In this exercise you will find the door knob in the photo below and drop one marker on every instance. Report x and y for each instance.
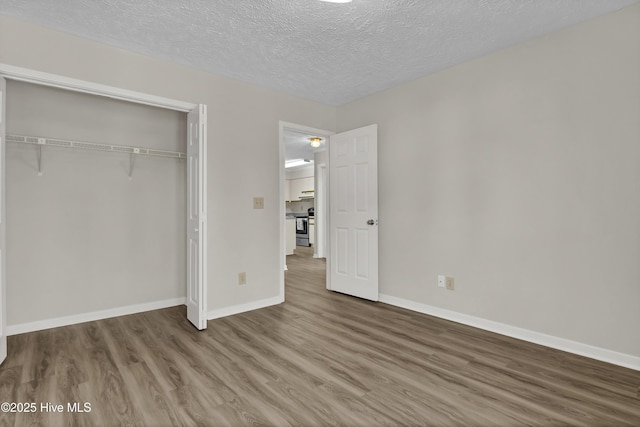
(371, 222)
(195, 230)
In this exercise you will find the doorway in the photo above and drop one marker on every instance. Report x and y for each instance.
(345, 176)
(303, 192)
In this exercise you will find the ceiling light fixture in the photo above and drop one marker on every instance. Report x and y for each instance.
(336, 1)
(296, 162)
(315, 142)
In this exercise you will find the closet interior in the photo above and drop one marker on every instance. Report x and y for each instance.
(96, 202)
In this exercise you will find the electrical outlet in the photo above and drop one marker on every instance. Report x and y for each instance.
(446, 282)
(242, 278)
(258, 203)
(450, 284)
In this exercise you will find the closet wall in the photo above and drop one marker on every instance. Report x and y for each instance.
(83, 237)
(243, 149)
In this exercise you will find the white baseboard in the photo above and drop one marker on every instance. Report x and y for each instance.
(90, 317)
(241, 308)
(609, 356)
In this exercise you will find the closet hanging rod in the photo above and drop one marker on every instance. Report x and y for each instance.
(56, 142)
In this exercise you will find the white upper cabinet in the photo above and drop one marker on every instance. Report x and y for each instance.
(301, 188)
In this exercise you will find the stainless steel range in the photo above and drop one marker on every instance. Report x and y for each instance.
(302, 230)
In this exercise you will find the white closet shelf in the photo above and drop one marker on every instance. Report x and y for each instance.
(35, 140)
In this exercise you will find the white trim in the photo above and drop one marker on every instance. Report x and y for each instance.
(3, 225)
(609, 356)
(241, 308)
(67, 83)
(321, 193)
(94, 315)
(196, 226)
(282, 176)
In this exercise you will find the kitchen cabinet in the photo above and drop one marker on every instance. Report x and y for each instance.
(298, 187)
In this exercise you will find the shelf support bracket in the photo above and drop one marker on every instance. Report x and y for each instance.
(41, 142)
(132, 160)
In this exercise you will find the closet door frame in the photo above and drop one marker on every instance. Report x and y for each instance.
(11, 72)
(26, 75)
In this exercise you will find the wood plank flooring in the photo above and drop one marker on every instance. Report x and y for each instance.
(319, 359)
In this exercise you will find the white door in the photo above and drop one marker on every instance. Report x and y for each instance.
(3, 225)
(353, 213)
(196, 217)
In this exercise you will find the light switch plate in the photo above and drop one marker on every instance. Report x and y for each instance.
(258, 203)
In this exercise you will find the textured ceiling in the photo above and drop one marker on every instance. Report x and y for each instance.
(331, 53)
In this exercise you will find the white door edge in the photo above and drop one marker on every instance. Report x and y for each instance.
(3, 227)
(197, 217)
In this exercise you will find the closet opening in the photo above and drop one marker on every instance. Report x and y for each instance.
(101, 229)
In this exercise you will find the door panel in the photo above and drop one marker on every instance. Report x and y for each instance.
(362, 254)
(342, 251)
(196, 218)
(3, 226)
(342, 189)
(353, 213)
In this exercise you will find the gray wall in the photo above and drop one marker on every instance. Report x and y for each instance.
(518, 174)
(83, 237)
(243, 152)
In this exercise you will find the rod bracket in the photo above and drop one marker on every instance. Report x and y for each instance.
(41, 142)
(132, 160)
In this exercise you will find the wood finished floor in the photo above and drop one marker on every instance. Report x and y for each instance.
(319, 359)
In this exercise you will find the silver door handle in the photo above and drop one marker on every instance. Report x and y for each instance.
(371, 222)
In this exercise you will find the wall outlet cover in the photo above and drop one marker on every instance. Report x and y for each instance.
(258, 203)
(449, 283)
